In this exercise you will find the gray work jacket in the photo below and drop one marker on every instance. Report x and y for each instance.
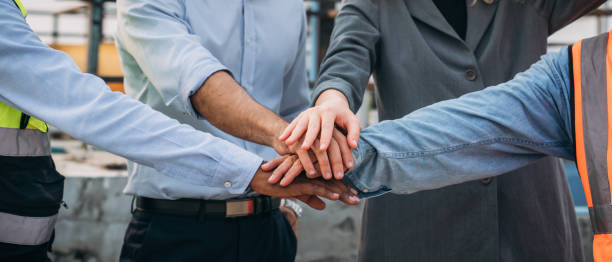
(417, 59)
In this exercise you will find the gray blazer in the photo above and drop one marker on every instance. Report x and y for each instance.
(417, 59)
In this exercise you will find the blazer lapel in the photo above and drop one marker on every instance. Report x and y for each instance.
(427, 12)
(480, 17)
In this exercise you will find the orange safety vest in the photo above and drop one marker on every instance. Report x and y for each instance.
(591, 80)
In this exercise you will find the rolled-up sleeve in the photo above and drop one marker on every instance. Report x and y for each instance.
(46, 84)
(156, 35)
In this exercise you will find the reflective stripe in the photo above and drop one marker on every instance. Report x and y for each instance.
(24, 12)
(580, 151)
(24, 142)
(22, 230)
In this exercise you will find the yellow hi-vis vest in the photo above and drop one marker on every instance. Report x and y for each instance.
(591, 96)
(13, 118)
(25, 155)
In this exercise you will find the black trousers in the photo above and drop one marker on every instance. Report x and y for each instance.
(19, 253)
(267, 237)
(29, 186)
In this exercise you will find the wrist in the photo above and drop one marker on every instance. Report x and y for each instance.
(332, 97)
(273, 134)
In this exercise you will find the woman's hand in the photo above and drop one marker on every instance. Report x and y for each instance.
(330, 109)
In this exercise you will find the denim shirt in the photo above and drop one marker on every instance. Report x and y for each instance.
(478, 135)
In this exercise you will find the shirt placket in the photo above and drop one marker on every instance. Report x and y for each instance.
(249, 47)
(248, 55)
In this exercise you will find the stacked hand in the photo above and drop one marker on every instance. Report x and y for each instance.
(313, 144)
(306, 190)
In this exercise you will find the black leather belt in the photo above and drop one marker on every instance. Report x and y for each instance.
(218, 208)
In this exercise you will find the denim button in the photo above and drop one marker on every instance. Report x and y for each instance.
(486, 181)
(471, 74)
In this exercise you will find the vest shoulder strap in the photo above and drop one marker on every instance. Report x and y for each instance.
(24, 12)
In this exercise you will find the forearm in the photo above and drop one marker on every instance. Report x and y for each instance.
(351, 54)
(81, 105)
(481, 134)
(227, 106)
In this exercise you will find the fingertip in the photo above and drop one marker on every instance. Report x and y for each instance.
(349, 164)
(290, 141)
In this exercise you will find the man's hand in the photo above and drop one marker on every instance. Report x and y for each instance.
(291, 218)
(331, 108)
(305, 190)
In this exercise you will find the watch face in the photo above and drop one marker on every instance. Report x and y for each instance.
(293, 205)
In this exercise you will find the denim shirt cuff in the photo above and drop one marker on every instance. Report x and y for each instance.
(352, 178)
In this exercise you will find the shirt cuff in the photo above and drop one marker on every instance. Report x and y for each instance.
(196, 81)
(352, 178)
(337, 84)
(236, 170)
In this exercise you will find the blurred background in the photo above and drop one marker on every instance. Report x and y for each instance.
(92, 227)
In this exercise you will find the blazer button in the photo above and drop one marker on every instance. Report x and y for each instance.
(486, 181)
(471, 74)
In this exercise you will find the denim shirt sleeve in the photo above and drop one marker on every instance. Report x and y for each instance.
(48, 85)
(478, 135)
(156, 35)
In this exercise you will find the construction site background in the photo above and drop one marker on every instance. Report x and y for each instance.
(92, 227)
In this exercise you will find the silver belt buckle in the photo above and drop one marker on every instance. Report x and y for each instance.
(239, 208)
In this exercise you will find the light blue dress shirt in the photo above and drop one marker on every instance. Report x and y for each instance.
(169, 48)
(47, 84)
(478, 135)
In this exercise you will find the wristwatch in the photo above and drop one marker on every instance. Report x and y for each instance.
(297, 209)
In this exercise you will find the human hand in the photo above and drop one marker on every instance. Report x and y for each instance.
(305, 190)
(291, 218)
(331, 109)
(334, 159)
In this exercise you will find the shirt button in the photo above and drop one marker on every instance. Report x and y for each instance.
(486, 181)
(227, 184)
(471, 74)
